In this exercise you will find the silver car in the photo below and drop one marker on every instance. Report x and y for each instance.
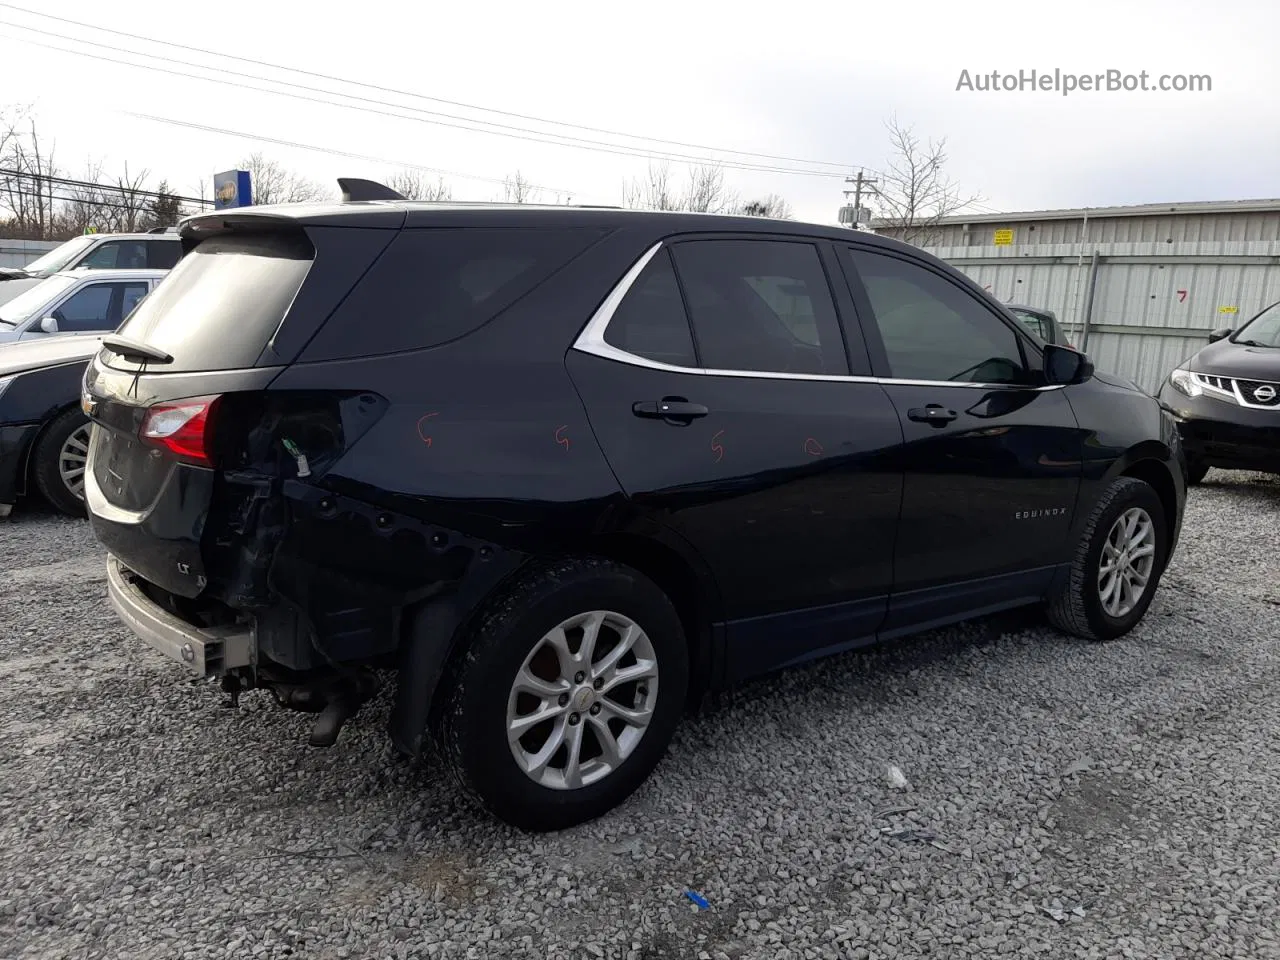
(76, 302)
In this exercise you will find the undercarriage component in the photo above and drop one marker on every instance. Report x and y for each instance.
(336, 699)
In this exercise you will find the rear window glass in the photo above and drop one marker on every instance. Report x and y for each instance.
(436, 284)
(222, 303)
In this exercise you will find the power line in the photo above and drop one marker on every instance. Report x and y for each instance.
(91, 185)
(410, 93)
(524, 134)
(326, 150)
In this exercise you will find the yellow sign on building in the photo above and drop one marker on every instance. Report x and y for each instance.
(1004, 238)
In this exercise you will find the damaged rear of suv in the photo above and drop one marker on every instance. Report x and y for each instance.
(318, 455)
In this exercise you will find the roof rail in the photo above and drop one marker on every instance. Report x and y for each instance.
(163, 230)
(353, 188)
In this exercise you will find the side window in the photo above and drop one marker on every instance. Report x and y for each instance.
(1037, 325)
(651, 322)
(163, 254)
(101, 257)
(87, 310)
(132, 294)
(760, 305)
(117, 255)
(932, 329)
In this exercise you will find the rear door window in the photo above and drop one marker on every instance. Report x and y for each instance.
(222, 303)
(761, 305)
(436, 284)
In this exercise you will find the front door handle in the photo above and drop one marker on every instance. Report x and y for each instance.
(672, 409)
(933, 413)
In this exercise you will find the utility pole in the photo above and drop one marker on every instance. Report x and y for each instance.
(859, 182)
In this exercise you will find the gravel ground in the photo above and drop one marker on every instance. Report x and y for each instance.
(1064, 799)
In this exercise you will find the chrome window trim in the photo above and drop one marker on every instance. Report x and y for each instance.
(591, 340)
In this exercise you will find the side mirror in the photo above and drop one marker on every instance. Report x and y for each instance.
(49, 325)
(1220, 334)
(1065, 365)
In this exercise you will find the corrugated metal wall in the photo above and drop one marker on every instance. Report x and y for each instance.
(18, 253)
(1153, 303)
(1169, 228)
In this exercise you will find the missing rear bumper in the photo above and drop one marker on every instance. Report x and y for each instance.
(204, 651)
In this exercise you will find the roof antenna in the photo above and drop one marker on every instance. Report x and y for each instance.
(354, 188)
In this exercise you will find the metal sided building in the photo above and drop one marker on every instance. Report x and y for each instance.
(1138, 287)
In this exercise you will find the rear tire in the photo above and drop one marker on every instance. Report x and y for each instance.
(1195, 472)
(1084, 606)
(58, 461)
(514, 647)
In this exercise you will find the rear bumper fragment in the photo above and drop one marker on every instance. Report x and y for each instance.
(204, 651)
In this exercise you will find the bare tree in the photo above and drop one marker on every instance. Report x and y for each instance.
(272, 182)
(653, 191)
(411, 184)
(84, 204)
(771, 206)
(915, 193)
(706, 192)
(131, 199)
(27, 172)
(516, 189)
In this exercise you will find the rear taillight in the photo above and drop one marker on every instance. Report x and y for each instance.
(184, 428)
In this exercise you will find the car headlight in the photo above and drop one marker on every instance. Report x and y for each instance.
(1186, 383)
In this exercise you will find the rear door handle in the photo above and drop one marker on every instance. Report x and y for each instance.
(933, 413)
(669, 408)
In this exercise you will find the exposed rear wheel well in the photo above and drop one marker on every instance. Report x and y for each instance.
(679, 582)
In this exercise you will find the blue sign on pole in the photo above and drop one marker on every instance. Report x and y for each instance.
(232, 189)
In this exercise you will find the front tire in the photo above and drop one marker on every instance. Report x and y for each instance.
(566, 693)
(1117, 565)
(1196, 472)
(59, 461)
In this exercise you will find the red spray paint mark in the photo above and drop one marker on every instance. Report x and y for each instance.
(422, 425)
(715, 446)
(563, 441)
(1182, 296)
(812, 447)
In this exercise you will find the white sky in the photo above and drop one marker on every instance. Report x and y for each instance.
(806, 80)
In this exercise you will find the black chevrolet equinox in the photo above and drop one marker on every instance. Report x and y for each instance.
(564, 470)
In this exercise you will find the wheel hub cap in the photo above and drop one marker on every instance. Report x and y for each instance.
(582, 700)
(1127, 561)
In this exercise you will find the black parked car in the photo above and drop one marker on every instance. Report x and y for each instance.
(1226, 399)
(565, 468)
(44, 435)
(1042, 322)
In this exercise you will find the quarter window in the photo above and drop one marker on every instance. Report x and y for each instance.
(651, 322)
(760, 305)
(932, 329)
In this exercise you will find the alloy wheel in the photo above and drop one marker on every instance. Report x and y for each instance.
(72, 459)
(1127, 561)
(582, 700)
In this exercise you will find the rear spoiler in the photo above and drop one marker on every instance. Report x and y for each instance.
(355, 189)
